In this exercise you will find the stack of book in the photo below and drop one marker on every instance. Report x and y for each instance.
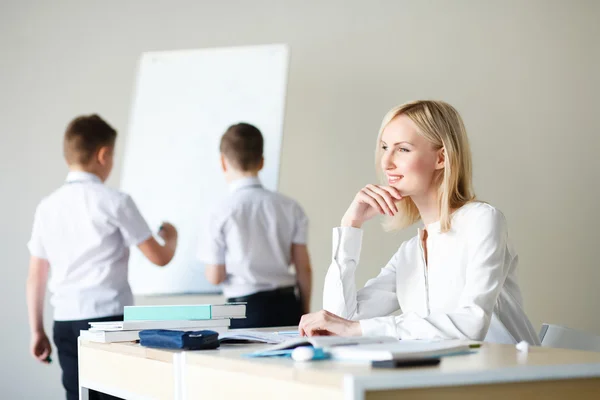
(181, 318)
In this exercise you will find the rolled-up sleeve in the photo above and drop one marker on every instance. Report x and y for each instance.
(132, 224)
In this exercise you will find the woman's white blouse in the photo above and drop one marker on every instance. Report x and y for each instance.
(467, 290)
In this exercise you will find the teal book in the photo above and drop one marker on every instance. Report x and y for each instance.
(185, 312)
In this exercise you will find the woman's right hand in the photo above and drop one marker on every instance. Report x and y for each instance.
(369, 202)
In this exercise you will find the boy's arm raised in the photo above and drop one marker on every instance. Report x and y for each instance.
(155, 252)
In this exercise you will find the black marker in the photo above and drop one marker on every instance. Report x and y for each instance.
(406, 363)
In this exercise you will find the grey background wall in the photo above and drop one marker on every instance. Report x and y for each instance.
(524, 74)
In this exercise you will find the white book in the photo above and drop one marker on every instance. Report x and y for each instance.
(403, 349)
(141, 325)
(129, 336)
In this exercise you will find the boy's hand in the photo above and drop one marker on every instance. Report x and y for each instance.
(40, 347)
(167, 232)
(159, 254)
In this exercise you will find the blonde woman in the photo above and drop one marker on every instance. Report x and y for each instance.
(457, 278)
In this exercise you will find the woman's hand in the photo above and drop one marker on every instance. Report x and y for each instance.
(369, 202)
(324, 323)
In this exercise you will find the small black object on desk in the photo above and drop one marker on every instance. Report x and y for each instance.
(406, 363)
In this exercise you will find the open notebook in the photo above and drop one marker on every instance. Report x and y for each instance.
(325, 343)
(369, 348)
(330, 342)
(286, 340)
(250, 336)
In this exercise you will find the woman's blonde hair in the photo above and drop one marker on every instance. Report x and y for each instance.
(442, 126)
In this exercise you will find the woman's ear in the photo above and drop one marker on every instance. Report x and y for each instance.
(441, 159)
(223, 163)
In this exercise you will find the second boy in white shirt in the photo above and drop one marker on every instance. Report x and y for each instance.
(254, 237)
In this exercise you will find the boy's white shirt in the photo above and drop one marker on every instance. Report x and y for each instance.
(84, 229)
(468, 290)
(252, 233)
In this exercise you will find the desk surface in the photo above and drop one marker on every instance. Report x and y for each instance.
(491, 364)
(169, 374)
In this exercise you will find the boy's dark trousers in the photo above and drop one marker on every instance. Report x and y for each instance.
(65, 338)
(279, 307)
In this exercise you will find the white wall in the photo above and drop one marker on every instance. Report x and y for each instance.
(523, 74)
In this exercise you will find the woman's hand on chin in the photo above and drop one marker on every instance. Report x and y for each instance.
(370, 201)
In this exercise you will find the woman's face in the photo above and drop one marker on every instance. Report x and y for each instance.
(409, 160)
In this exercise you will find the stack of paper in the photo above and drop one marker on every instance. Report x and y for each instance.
(141, 325)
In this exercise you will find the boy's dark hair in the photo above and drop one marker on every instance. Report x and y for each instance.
(242, 145)
(84, 136)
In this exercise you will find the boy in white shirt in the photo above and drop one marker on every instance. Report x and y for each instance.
(82, 233)
(254, 237)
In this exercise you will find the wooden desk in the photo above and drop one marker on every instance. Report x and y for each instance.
(495, 371)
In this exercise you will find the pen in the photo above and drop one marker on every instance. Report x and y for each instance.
(406, 363)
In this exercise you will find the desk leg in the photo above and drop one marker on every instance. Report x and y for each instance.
(84, 393)
(352, 389)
